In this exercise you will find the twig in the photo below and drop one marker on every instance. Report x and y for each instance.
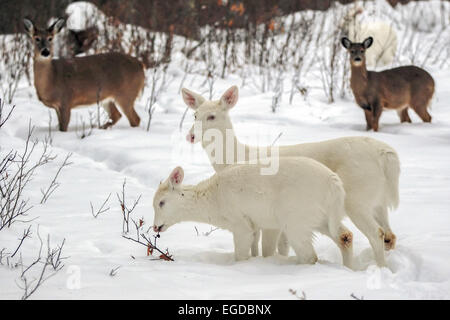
(151, 246)
(4, 119)
(26, 234)
(294, 293)
(53, 259)
(205, 234)
(113, 271)
(124, 208)
(276, 139)
(356, 298)
(182, 118)
(101, 210)
(54, 184)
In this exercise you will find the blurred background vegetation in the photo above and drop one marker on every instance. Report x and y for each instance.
(184, 17)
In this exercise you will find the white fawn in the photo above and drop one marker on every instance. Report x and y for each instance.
(302, 197)
(64, 84)
(368, 168)
(397, 88)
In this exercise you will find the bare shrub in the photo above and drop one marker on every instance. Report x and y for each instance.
(332, 55)
(16, 171)
(125, 209)
(54, 184)
(4, 114)
(141, 236)
(159, 81)
(44, 266)
(15, 51)
(85, 129)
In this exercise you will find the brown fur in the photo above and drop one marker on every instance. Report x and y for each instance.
(81, 40)
(389, 241)
(346, 239)
(64, 84)
(397, 88)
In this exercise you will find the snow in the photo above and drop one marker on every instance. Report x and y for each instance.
(204, 266)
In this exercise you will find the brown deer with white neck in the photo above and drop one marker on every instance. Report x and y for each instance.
(64, 84)
(395, 89)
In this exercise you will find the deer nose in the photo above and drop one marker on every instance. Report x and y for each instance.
(190, 137)
(45, 52)
(358, 59)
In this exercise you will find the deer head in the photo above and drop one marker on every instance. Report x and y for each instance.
(357, 50)
(168, 202)
(210, 114)
(43, 38)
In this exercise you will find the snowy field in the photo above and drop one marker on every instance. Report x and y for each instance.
(204, 266)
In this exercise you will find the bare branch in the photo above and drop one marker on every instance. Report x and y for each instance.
(126, 211)
(113, 271)
(54, 184)
(102, 208)
(294, 293)
(52, 260)
(26, 234)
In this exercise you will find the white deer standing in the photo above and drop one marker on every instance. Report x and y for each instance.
(368, 168)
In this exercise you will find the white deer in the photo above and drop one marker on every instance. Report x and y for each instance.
(368, 168)
(302, 197)
(384, 49)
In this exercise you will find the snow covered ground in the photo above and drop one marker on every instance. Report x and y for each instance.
(204, 266)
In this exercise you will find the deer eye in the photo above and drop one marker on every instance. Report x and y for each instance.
(352, 51)
(37, 39)
(211, 117)
(50, 39)
(161, 203)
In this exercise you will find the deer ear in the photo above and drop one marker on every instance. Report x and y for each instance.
(29, 26)
(57, 26)
(230, 97)
(176, 177)
(368, 42)
(192, 99)
(346, 43)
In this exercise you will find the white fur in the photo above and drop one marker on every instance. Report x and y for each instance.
(384, 48)
(368, 168)
(303, 197)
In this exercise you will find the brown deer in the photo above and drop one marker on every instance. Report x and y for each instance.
(397, 88)
(64, 84)
(81, 41)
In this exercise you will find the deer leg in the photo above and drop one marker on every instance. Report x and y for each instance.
(114, 115)
(302, 245)
(343, 239)
(283, 245)
(389, 237)
(127, 107)
(363, 219)
(404, 116)
(63, 117)
(255, 242)
(368, 115)
(421, 110)
(269, 241)
(243, 239)
(376, 114)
